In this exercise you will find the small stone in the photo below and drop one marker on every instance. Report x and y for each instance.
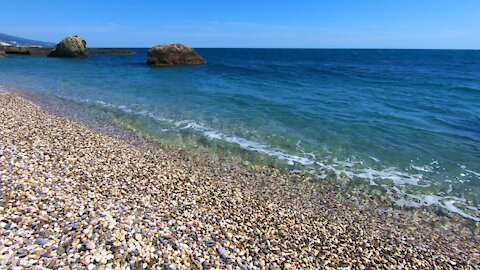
(46, 255)
(223, 253)
(74, 226)
(206, 265)
(60, 250)
(41, 241)
(210, 243)
(91, 266)
(136, 230)
(90, 245)
(138, 237)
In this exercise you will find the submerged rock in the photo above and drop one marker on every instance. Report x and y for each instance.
(173, 54)
(72, 46)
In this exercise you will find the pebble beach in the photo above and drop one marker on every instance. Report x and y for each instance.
(74, 198)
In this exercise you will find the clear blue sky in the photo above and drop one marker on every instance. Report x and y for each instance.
(250, 23)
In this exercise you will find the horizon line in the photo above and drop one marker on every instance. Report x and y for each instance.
(302, 48)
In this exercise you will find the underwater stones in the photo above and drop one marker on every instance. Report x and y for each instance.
(173, 54)
(72, 46)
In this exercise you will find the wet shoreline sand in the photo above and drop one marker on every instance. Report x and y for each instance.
(75, 198)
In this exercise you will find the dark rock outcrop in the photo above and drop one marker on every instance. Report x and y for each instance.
(38, 51)
(72, 46)
(173, 54)
(15, 50)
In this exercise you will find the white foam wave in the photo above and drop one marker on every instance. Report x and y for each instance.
(424, 168)
(321, 170)
(469, 171)
(398, 178)
(419, 200)
(246, 144)
(473, 172)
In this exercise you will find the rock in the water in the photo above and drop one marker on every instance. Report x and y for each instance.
(2, 53)
(72, 46)
(16, 50)
(173, 54)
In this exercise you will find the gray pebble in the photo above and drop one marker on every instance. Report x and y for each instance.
(210, 243)
(41, 241)
(223, 253)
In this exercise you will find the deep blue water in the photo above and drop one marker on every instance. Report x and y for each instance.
(405, 120)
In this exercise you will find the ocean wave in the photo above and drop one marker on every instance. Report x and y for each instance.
(465, 89)
(424, 168)
(328, 71)
(419, 200)
(322, 169)
(469, 171)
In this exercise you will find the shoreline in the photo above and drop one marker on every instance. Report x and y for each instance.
(393, 154)
(106, 123)
(74, 197)
(103, 122)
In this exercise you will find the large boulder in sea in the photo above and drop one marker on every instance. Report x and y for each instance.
(2, 53)
(173, 54)
(72, 46)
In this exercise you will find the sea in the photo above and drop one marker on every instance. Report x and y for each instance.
(406, 122)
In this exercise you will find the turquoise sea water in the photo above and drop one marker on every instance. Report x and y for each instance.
(407, 121)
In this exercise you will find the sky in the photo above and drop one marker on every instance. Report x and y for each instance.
(437, 24)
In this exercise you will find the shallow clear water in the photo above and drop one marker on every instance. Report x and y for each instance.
(405, 120)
